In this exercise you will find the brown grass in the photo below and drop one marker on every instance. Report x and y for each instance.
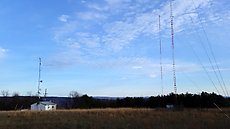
(115, 119)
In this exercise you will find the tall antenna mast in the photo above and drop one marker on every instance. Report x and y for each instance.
(45, 94)
(39, 78)
(173, 53)
(162, 88)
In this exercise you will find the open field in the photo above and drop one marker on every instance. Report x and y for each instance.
(115, 119)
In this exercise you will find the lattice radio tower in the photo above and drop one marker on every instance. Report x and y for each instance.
(162, 87)
(173, 50)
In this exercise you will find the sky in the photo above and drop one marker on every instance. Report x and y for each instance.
(112, 47)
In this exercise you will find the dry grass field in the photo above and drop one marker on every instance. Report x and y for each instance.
(115, 119)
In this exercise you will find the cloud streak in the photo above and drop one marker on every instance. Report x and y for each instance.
(2, 52)
(119, 23)
(63, 18)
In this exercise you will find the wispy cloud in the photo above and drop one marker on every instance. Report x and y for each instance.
(120, 22)
(3, 52)
(137, 67)
(91, 15)
(63, 18)
(152, 76)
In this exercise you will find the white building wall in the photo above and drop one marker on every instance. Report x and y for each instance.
(50, 107)
(34, 107)
(42, 107)
(37, 107)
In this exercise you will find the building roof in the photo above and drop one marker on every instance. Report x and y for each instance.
(46, 103)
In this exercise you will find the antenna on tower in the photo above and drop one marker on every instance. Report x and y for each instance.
(39, 78)
(173, 54)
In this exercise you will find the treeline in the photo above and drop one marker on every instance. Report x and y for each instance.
(203, 100)
(17, 102)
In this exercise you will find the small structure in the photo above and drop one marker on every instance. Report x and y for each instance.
(43, 106)
(169, 106)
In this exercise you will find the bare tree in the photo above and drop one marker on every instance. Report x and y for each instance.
(15, 94)
(74, 94)
(5, 93)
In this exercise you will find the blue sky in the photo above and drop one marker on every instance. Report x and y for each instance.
(111, 47)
